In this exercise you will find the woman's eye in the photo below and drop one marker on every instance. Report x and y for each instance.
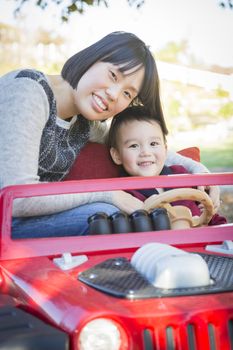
(128, 94)
(113, 75)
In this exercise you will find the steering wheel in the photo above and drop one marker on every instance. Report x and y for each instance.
(164, 199)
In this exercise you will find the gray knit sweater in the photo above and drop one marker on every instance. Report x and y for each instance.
(37, 146)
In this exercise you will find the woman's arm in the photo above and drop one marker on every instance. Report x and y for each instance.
(195, 167)
(191, 165)
(24, 111)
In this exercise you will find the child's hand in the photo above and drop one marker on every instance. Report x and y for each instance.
(126, 202)
(214, 193)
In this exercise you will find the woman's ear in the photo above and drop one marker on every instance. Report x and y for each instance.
(115, 156)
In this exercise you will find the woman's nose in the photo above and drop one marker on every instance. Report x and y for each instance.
(113, 92)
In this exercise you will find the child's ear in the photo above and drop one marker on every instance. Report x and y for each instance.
(115, 156)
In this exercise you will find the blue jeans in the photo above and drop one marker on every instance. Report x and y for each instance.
(71, 222)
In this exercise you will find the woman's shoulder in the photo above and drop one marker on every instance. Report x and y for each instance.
(24, 77)
(20, 92)
(20, 73)
(29, 82)
(30, 73)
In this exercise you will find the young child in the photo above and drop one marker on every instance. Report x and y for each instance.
(137, 143)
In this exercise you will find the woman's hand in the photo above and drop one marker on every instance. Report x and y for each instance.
(126, 202)
(214, 193)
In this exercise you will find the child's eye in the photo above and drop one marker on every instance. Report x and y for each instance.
(134, 145)
(154, 143)
(113, 75)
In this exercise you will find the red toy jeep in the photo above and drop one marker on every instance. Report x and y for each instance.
(161, 290)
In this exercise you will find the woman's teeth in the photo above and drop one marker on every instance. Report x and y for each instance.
(100, 103)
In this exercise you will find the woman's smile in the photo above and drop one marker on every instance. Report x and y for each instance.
(100, 103)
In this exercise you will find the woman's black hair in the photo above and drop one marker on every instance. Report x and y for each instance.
(130, 114)
(127, 50)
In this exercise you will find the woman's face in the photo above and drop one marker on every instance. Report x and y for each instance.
(103, 91)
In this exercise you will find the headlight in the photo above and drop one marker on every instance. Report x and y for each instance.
(101, 334)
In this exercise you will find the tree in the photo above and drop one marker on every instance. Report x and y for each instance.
(71, 6)
(74, 6)
(226, 4)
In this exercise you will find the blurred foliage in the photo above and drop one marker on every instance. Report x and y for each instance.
(218, 157)
(226, 110)
(173, 52)
(41, 49)
(220, 93)
(174, 108)
(8, 34)
(46, 37)
(79, 6)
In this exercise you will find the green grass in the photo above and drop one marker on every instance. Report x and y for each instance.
(219, 157)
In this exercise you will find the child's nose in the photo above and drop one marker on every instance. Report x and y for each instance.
(145, 151)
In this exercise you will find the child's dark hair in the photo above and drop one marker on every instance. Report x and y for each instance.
(130, 114)
(128, 51)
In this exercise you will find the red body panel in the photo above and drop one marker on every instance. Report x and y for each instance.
(29, 275)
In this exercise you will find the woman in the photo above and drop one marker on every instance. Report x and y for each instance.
(47, 119)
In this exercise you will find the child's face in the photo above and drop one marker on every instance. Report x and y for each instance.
(140, 148)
